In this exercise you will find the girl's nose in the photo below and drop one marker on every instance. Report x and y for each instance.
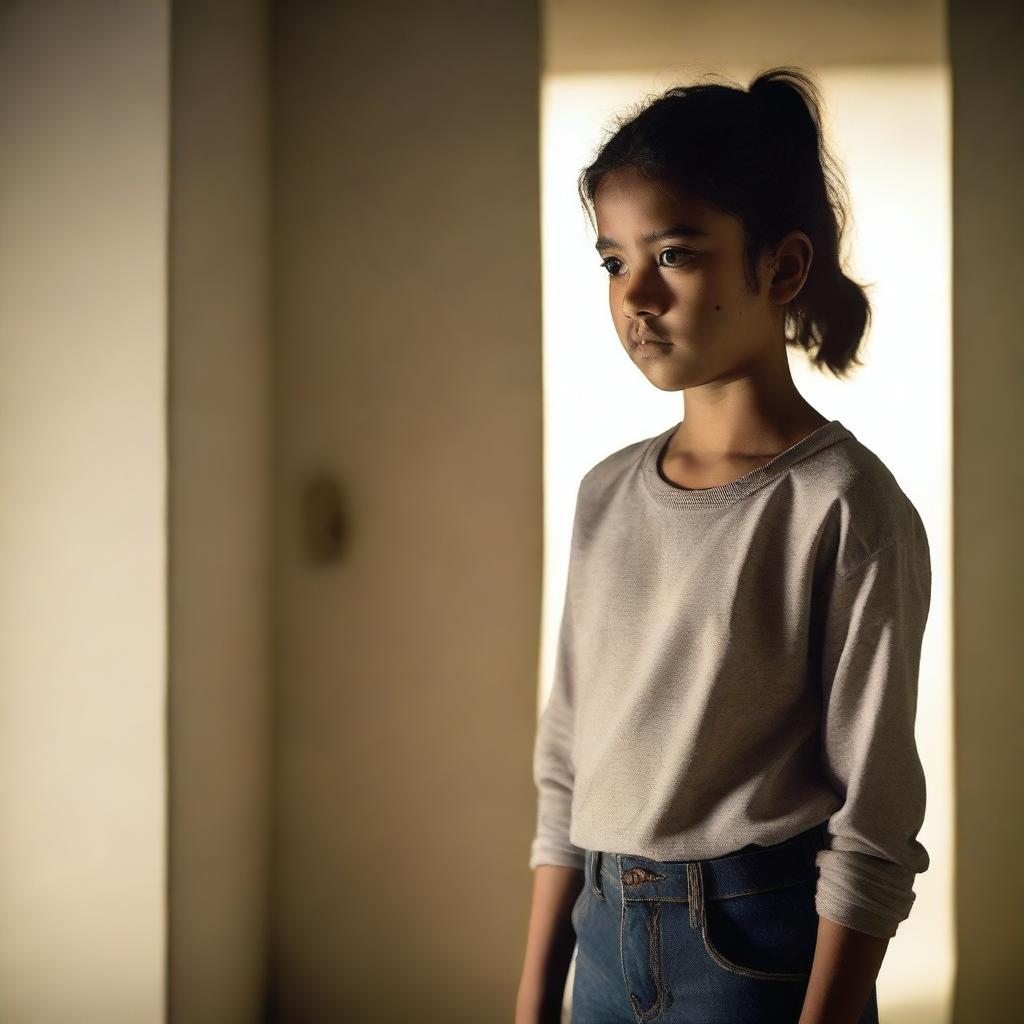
(638, 304)
(643, 296)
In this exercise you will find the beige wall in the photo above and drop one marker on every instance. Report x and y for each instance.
(83, 219)
(408, 282)
(219, 514)
(595, 36)
(988, 482)
(408, 340)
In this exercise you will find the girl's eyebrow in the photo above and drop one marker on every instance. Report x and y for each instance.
(676, 231)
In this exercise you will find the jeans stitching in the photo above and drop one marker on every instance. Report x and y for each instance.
(622, 936)
(749, 972)
(654, 962)
(698, 915)
(641, 1016)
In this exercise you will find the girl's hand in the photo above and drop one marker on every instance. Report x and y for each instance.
(538, 1007)
(550, 943)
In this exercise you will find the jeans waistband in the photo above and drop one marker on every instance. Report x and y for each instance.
(735, 874)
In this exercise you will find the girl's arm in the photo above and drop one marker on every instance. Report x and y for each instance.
(846, 964)
(550, 940)
(872, 646)
(556, 862)
(875, 623)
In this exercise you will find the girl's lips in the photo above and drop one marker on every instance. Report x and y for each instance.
(643, 336)
(649, 349)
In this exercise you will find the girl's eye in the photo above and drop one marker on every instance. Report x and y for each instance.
(683, 256)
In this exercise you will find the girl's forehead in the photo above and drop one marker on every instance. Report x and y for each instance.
(626, 191)
(640, 205)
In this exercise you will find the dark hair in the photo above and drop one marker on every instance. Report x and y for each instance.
(757, 154)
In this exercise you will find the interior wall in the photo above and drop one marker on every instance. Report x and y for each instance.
(83, 532)
(219, 513)
(408, 370)
(605, 36)
(988, 358)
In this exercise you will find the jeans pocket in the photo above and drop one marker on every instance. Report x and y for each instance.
(769, 934)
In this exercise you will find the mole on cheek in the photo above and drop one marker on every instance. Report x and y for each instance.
(718, 307)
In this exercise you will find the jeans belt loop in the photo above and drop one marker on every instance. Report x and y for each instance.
(695, 893)
(595, 881)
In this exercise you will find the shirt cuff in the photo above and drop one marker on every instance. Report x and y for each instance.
(862, 892)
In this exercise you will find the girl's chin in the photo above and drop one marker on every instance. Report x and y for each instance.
(665, 377)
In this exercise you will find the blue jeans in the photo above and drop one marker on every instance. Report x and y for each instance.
(729, 940)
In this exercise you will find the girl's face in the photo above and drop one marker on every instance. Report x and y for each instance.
(686, 291)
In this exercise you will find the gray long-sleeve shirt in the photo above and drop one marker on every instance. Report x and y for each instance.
(738, 663)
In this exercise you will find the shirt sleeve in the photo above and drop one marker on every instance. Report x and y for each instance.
(553, 771)
(871, 653)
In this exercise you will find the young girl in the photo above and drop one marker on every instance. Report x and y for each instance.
(729, 790)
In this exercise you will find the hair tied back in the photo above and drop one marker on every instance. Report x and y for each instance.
(780, 94)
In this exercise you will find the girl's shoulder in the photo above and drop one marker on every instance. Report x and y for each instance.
(862, 505)
(613, 470)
